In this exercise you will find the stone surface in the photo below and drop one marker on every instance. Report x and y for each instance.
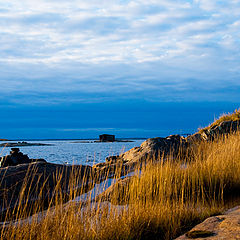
(225, 127)
(174, 145)
(16, 157)
(44, 174)
(117, 193)
(226, 226)
(27, 183)
(195, 138)
(156, 148)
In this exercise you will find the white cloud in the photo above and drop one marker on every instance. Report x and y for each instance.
(195, 39)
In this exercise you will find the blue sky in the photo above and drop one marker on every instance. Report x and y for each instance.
(79, 68)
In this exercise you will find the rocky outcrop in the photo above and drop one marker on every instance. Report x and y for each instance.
(40, 182)
(225, 127)
(19, 176)
(16, 157)
(226, 226)
(157, 149)
(29, 182)
(174, 145)
(152, 148)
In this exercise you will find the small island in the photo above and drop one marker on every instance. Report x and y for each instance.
(110, 138)
(104, 138)
(23, 144)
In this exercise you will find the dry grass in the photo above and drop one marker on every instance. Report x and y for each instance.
(164, 201)
(235, 116)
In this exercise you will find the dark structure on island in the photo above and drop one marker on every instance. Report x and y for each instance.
(106, 138)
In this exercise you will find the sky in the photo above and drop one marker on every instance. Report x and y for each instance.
(76, 69)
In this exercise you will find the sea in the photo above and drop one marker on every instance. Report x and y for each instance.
(86, 152)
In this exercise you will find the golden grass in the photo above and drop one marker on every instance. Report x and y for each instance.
(165, 200)
(235, 116)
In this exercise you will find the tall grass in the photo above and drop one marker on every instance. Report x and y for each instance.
(235, 116)
(162, 200)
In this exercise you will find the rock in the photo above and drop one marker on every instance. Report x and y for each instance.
(225, 127)
(114, 159)
(117, 193)
(16, 157)
(37, 182)
(113, 170)
(228, 126)
(156, 148)
(195, 138)
(225, 226)
(152, 148)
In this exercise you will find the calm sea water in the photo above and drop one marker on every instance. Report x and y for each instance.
(75, 151)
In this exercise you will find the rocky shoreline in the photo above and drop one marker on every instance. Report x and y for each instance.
(175, 145)
(43, 174)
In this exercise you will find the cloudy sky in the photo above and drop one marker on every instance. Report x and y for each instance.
(73, 68)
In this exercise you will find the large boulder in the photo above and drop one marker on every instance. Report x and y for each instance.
(40, 182)
(158, 148)
(218, 227)
(153, 148)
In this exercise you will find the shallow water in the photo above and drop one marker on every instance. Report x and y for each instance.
(75, 151)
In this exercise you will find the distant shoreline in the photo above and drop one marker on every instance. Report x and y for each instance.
(68, 139)
(23, 144)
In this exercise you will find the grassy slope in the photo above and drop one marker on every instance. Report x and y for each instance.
(166, 200)
(224, 117)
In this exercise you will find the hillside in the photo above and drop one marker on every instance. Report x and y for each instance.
(168, 194)
(226, 117)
